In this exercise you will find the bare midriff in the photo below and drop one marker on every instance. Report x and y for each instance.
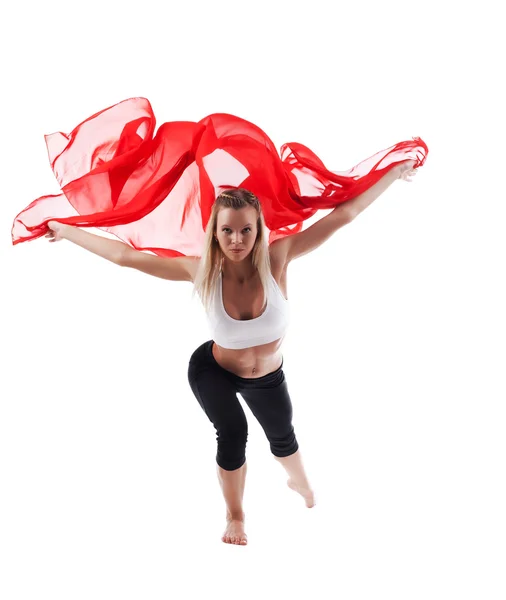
(252, 362)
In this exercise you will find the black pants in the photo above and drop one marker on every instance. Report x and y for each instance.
(267, 397)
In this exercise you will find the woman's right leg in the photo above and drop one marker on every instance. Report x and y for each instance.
(217, 397)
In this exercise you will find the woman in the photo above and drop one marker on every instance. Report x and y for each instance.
(242, 282)
(192, 195)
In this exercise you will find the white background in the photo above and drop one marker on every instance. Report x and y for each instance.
(394, 359)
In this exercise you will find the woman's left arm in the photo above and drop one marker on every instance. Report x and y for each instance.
(298, 244)
(403, 170)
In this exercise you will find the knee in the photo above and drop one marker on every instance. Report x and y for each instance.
(284, 445)
(230, 465)
(231, 453)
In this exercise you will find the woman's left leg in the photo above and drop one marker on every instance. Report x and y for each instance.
(269, 401)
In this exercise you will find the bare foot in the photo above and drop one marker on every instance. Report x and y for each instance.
(234, 533)
(306, 493)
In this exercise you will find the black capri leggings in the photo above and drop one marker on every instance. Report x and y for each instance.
(267, 397)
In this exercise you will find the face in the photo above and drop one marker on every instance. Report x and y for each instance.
(237, 229)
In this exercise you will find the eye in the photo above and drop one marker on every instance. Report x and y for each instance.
(225, 229)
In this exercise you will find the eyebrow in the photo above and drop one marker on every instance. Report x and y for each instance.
(225, 225)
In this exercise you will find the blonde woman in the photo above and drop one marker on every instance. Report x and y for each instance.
(242, 282)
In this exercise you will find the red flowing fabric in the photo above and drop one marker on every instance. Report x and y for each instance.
(156, 193)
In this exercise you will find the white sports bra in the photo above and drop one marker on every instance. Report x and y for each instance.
(236, 334)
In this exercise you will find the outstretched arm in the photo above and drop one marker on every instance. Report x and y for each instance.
(361, 202)
(178, 268)
(286, 249)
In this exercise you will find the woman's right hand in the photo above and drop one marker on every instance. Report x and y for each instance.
(55, 231)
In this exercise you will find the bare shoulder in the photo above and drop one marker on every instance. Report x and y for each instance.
(191, 264)
(278, 253)
(278, 258)
(188, 264)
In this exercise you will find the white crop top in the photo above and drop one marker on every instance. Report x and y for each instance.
(237, 334)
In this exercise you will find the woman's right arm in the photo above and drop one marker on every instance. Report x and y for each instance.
(178, 268)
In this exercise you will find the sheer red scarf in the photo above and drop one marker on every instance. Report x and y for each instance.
(156, 193)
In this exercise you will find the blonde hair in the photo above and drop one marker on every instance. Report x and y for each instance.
(212, 256)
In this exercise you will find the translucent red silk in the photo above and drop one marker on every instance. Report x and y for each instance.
(156, 193)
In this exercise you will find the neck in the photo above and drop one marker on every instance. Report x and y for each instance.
(239, 272)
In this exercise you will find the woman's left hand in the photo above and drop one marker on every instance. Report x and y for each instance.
(405, 170)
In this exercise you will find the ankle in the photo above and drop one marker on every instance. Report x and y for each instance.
(235, 516)
(301, 483)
